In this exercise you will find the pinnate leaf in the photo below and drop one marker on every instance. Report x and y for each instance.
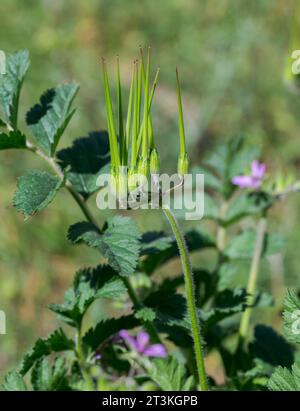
(108, 328)
(291, 316)
(10, 85)
(14, 382)
(56, 342)
(145, 314)
(271, 347)
(85, 160)
(47, 377)
(242, 245)
(162, 249)
(246, 204)
(89, 285)
(170, 375)
(285, 380)
(13, 139)
(49, 118)
(35, 191)
(119, 242)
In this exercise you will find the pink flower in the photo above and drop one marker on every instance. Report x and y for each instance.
(141, 344)
(253, 180)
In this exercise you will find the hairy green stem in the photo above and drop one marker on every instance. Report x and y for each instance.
(81, 362)
(252, 280)
(190, 296)
(83, 206)
(221, 233)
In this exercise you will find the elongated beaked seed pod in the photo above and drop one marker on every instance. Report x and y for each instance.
(121, 180)
(183, 161)
(131, 140)
(154, 162)
(143, 167)
(132, 179)
(183, 164)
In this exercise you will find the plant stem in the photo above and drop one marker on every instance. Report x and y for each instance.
(190, 296)
(81, 362)
(83, 206)
(221, 233)
(134, 298)
(252, 280)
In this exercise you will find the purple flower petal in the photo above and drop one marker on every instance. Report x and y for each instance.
(128, 338)
(258, 169)
(155, 350)
(243, 181)
(142, 340)
(256, 183)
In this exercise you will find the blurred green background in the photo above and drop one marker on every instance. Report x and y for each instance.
(231, 55)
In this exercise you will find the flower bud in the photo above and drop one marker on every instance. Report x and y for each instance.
(154, 162)
(183, 164)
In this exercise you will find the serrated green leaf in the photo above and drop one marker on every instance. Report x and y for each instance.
(85, 160)
(291, 316)
(49, 118)
(56, 342)
(285, 380)
(227, 303)
(232, 274)
(108, 328)
(271, 347)
(35, 191)
(195, 240)
(168, 309)
(84, 232)
(246, 204)
(145, 314)
(10, 85)
(211, 210)
(119, 242)
(89, 284)
(13, 381)
(47, 377)
(170, 375)
(219, 159)
(14, 139)
(242, 245)
(155, 241)
(210, 180)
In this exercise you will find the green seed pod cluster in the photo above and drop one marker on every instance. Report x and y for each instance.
(131, 140)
